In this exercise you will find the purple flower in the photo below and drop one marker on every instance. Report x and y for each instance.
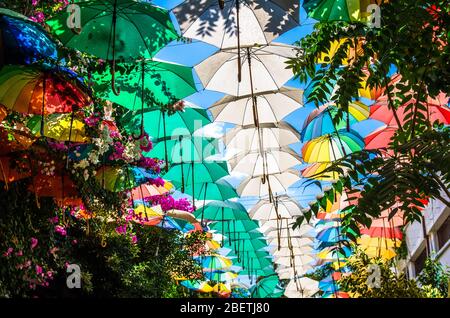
(53, 220)
(61, 230)
(34, 242)
(122, 229)
(8, 251)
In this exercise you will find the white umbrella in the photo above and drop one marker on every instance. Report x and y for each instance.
(272, 107)
(303, 287)
(283, 207)
(263, 69)
(303, 231)
(278, 182)
(253, 21)
(291, 272)
(288, 252)
(298, 260)
(268, 161)
(274, 135)
(295, 242)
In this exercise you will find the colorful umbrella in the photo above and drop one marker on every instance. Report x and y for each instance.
(197, 285)
(23, 41)
(15, 138)
(220, 276)
(61, 127)
(214, 262)
(31, 91)
(117, 179)
(320, 121)
(337, 10)
(316, 171)
(148, 190)
(332, 147)
(335, 45)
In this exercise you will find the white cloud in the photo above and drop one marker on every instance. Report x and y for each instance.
(213, 130)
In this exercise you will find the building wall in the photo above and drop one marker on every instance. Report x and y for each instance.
(435, 214)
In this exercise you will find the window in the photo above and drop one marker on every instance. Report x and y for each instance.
(419, 263)
(443, 233)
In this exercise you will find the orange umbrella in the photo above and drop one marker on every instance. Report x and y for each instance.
(14, 168)
(57, 186)
(3, 112)
(16, 138)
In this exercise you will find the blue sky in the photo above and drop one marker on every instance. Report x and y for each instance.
(193, 53)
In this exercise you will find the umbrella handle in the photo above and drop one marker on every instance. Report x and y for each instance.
(221, 4)
(116, 90)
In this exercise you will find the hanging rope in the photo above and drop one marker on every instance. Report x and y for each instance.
(238, 27)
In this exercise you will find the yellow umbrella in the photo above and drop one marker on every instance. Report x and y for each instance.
(325, 58)
(61, 127)
(222, 288)
(378, 246)
(315, 171)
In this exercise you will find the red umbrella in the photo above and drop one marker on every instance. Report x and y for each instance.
(380, 138)
(59, 187)
(437, 110)
(386, 232)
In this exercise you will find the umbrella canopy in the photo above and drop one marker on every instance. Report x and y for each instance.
(29, 90)
(274, 135)
(219, 190)
(61, 127)
(267, 287)
(380, 138)
(332, 147)
(116, 29)
(159, 83)
(263, 69)
(197, 172)
(235, 226)
(148, 190)
(254, 22)
(272, 107)
(298, 260)
(222, 210)
(279, 182)
(303, 287)
(24, 41)
(197, 285)
(14, 167)
(117, 179)
(214, 262)
(283, 207)
(15, 138)
(264, 162)
(221, 276)
(179, 149)
(320, 121)
(58, 186)
(160, 124)
(437, 110)
(340, 10)
(316, 171)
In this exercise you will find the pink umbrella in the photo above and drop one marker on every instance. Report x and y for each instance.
(380, 138)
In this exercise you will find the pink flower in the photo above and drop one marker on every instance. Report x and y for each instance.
(53, 250)
(34, 242)
(134, 239)
(122, 229)
(34, 3)
(27, 264)
(54, 220)
(8, 251)
(50, 274)
(61, 230)
(19, 253)
(38, 270)
(74, 242)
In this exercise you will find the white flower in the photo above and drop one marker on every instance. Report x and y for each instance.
(86, 174)
(83, 164)
(94, 157)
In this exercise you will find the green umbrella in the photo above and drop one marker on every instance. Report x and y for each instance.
(333, 10)
(219, 190)
(181, 149)
(121, 178)
(146, 84)
(115, 29)
(222, 210)
(267, 287)
(182, 174)
(235, 226)
(162, 125)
